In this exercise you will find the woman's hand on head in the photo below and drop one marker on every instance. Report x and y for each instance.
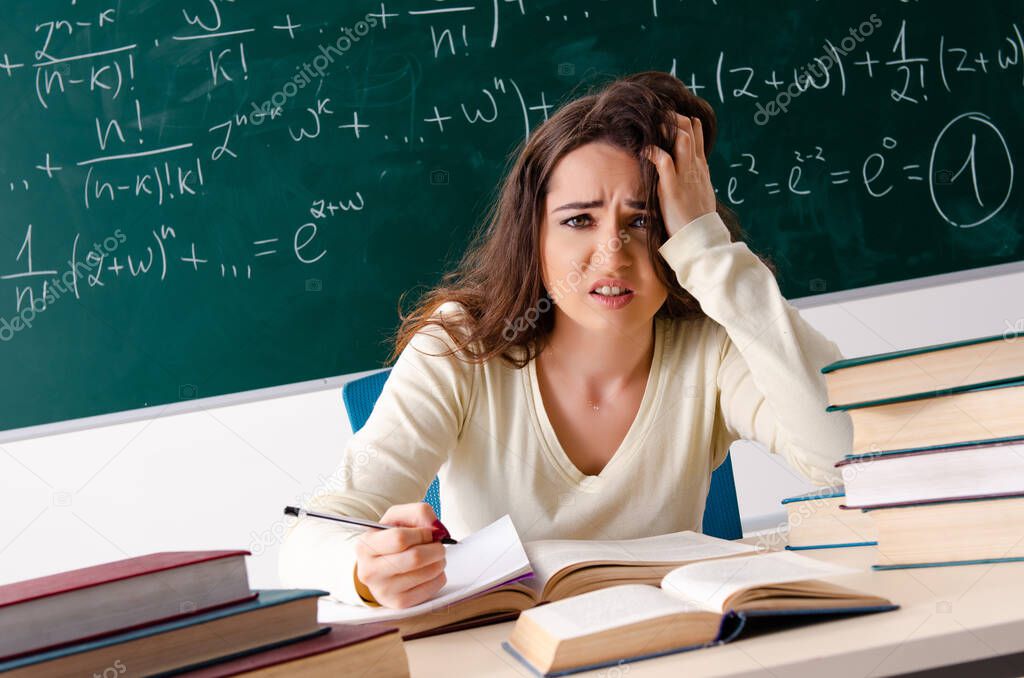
(402, 566)
(684, 181)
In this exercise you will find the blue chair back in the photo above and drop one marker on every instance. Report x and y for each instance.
(359, 396)
(721, 510)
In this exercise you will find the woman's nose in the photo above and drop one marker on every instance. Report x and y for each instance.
(613, 241)
(621, 232)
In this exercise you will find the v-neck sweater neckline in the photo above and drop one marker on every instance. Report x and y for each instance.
(630, 444)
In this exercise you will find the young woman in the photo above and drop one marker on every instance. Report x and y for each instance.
(586, 367)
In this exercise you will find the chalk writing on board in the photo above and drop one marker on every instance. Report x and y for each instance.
(212, 163)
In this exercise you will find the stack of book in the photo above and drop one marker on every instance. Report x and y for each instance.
(178, 612)
(938, 449)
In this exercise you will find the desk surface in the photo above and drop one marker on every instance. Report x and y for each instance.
(948, 615)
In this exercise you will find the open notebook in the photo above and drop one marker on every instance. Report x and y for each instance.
(699, 604)
(492, 575)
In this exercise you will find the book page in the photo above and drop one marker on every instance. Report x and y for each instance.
(548, 556)
(606, 609)
(709, 584)
(485, 559)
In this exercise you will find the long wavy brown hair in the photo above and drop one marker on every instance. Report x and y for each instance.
(498, 280)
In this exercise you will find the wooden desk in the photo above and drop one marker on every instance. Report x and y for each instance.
(948, 615)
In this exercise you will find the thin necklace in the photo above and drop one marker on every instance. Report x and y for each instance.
(596, 407)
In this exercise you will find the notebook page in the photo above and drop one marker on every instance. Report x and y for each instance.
(488, 557)
(710, 583)
(606, 609)
(548, 556)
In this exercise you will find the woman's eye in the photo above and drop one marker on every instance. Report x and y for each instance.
(568, 222)
(581, 220)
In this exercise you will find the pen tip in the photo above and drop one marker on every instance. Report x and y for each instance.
(291, 511)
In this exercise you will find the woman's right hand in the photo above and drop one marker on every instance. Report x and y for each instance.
(402, 566)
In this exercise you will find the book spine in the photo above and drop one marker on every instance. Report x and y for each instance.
(731, 626)
(810, 547)
(947, 563)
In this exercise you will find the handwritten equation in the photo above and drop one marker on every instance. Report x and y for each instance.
(252, 91)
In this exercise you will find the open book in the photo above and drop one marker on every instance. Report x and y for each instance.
(492, 575)
(699, 604)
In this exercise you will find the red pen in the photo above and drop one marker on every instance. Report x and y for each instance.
(440, 532)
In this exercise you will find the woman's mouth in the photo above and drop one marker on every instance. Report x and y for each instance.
(611, 297)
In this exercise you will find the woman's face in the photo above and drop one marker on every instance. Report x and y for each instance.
(595, 229)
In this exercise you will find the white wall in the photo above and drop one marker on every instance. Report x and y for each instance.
(218, 478)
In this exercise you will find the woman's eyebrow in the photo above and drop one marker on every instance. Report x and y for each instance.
(635, 204)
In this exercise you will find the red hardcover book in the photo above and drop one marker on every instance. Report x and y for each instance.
(95, 601)
(374, 649)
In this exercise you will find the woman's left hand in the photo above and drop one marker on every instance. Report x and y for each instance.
(684, 184)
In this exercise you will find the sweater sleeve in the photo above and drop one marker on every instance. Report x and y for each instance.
(769, 380)
(392, 459)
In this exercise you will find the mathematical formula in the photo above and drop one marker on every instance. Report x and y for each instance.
(140, 162)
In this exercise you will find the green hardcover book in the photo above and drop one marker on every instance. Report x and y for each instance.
(928, 371)
(976, 414)
(817, 520)
(273, 618)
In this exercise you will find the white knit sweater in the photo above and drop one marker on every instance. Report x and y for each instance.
(750, 370)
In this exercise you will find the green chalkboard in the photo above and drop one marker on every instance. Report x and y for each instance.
(206, 197)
